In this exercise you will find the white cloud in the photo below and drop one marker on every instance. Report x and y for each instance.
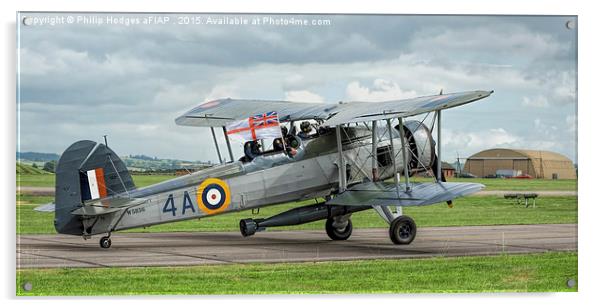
(502, 38)
(303, 96)
(538, 101)
(468, 143)
(222, 91)
(293, 81)
(33, 63)
(544, 129)
(381, 90)
(564, 89)
(571, 122)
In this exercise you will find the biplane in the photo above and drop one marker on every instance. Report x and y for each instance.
(347, 156)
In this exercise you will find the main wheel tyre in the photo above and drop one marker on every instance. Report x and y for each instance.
(338, 234)
(402, 230)
(105, 242)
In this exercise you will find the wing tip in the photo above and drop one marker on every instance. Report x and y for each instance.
(484, 93)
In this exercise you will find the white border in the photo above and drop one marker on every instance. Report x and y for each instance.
(588, 117)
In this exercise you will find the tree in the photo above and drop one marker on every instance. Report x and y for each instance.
(34, 165)
(50, 166)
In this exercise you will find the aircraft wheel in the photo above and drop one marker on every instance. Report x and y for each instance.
(337, 234)
(248, 227)
(105, 242)
(402, 230)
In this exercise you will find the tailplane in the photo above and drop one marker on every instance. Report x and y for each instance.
(86, 171)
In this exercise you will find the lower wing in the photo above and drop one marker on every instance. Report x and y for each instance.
(387, 194)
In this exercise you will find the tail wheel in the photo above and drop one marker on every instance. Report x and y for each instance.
(402, 230)
(338, 234)
(105, 242)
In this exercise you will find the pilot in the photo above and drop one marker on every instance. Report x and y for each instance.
(292, 142)
(291, 145)
(277, 143)
(305, 129)
(252, 150)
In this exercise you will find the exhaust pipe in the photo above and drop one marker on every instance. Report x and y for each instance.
(297, 216)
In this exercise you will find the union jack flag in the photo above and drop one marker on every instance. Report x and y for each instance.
(266, 119)
(261, 126)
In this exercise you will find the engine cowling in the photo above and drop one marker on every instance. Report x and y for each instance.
(421, 144)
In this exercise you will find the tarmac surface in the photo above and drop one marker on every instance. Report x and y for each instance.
(188, 248)
(36, 191)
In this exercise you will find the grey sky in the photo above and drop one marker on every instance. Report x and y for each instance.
(81, 81)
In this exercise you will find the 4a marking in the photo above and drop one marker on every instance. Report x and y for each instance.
(170, 206)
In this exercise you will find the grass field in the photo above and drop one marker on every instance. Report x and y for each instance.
(546, 272)
(517, 184)
(28, 169)
(478, 210)
(47, 180)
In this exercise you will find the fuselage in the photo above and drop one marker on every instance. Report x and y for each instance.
(268, 179)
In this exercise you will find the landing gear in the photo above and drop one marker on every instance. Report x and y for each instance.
(338, 230)
(105, 242)
(402, 230)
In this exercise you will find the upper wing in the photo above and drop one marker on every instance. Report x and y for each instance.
(365, 111)
(385, 194)
(222, 111)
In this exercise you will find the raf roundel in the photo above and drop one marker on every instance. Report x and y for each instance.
(213, 196)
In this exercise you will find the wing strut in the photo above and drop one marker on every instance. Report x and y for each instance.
(438, 145)
(404, 154)
(342, 167)
(374, 153)
(228, 144)
(395, 175)
(219, 155)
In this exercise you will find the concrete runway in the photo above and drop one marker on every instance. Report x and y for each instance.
(186, 248)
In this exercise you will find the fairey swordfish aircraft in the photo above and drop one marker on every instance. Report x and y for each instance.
(339, 154)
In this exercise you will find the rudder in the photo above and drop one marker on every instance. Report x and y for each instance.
(86, 170)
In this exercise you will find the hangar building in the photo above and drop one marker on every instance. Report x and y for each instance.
(538, 164)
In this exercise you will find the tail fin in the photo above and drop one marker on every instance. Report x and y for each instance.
(86, 170)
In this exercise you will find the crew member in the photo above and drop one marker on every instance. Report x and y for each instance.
(278, 144)
(305, 129)
(252, 149)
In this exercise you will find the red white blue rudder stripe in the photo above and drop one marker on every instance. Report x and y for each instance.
(93, 184)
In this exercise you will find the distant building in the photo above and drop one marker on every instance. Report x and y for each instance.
(448, 170)
(538, 164)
